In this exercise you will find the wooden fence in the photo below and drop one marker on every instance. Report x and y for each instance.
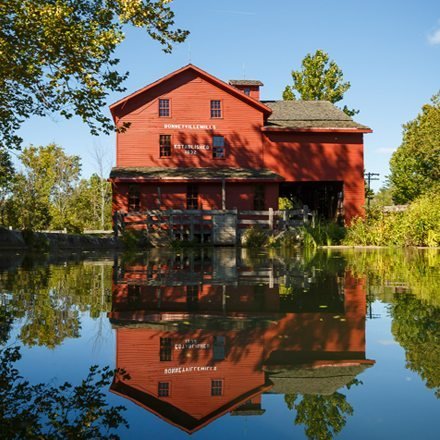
(216, 226)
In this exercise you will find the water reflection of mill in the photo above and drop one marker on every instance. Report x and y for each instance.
(206, 333)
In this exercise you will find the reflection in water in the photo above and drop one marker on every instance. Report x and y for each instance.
(209, 332)
(410, 283)
(55, 412)
(50, 297)
(205, 334)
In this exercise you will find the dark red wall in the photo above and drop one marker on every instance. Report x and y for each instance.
(173, 195)
(320, 156)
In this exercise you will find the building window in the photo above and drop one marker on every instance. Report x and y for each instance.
(134, 199)
(259, 198)
(165, 349)
(134, 293)
(192, 196)
(216, 108)
(192, 297)
(164, 108)
(165, 145)
(163, 389)
(216, 387)
(219, 348)
(247, 91)
(218, 147)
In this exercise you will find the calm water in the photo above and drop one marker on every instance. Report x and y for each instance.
(222, 343)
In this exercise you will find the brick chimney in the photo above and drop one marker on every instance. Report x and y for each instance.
(250, 87)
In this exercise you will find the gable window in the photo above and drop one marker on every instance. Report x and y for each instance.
(259, 198)
(164, 108)
(163, 389)
(192, 196)
(216, 387)
(134, 199)
(218, 147)
(165, 349)
(165, 145)
(247, 91)
(216, 108)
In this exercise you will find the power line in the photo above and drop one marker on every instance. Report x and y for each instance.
(370, 177)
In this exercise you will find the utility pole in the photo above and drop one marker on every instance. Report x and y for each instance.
(370, 177)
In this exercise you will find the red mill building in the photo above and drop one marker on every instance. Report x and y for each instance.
(196, 142)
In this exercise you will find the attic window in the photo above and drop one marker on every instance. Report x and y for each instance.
(164, 108)
(216, 108)
(247, 91)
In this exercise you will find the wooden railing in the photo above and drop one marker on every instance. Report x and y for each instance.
(200, 225)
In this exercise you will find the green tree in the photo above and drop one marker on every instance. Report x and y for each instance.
(323, 416)
(415, 165)
(318, 79)
(51, 299)
(416, 327)
(92, 203)
(7, 173)
(58, 56)
(42, 194)
(56, 412)
(383, 197)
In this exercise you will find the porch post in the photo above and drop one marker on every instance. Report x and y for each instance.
(223, 194)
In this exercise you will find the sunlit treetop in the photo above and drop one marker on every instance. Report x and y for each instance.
(57, 56)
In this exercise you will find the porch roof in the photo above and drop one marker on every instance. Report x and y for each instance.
(192, 174)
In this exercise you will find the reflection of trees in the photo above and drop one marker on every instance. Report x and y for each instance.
(49, 412)
(51, 298)
(413, 269)
(410, 282)
(322, 415)
(416, 327)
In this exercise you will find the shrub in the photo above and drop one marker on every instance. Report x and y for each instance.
(323, 234)
(254, 237)
(419, 225)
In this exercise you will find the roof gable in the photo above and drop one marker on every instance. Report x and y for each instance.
(210, 78)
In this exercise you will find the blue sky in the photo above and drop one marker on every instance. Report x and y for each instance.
(388, 50)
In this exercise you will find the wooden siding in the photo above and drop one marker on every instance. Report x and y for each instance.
(173, 195)
(190, 97)
(320, 157)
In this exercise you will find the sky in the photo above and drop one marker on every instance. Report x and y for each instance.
(388, 50)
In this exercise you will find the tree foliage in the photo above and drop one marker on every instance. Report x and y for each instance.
(323, 416)
(56, 412)
(416, 327)
(49, 194)
(42, 193)
(318, 79)
(7, 173)
(415, 165)
(419, 225)
(57, 56)
(50, 300)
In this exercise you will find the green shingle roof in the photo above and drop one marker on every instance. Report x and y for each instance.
(245, 82)
(309, 114)
(193, 173)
